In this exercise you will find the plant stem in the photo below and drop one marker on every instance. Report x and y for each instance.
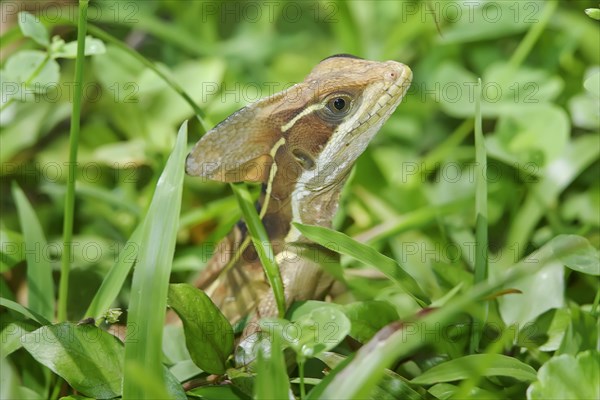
(301, 373)
(174, 85)
(532, 36)
(73, 146)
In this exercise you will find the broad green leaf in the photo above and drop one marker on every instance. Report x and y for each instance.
(567, 377)
(505, 90)
(93, 46)
(532, 134)
(151, 277)
(584, 111)
(271, 381)
(311, 334)
(479, 21)
(547, 331)
(344, 244)
(184, 370)
(11, 332)
(30, 71)
(577, 155)
(478, 364)
(301, 308)
(368, 317)
(593, 13)
(585, 260)
(32, 27)
(394, 342)
(582, 333)
(592, 82)
(118, 72)
(541, 290)
(88, 358)
(40, 284)
(208, 334)
(29, 124)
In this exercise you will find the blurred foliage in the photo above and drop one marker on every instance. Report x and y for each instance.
(411, 196)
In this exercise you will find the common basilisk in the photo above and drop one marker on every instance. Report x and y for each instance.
(300, 144)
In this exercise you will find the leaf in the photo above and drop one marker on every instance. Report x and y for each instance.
(93, 46)
(262, 244)
(577, 155)
(149, 288)
(478, 364)
(208, 334)
(115, 278)
(32, 27)
(220, 392)
(394, 341)
(368, 317)
(392, 386)
(593, 13)
(12, 330)
(547, 331)
(542, 290)
(32, 70)
(582, 333)
(586, 259)
(483, 21)
(271, 381)
(592, 82)
(505, 90)
(12, 249)
(27, 313)
(40, 284)
(88, 358)
(532, 134)
(568, 377)
(311, 334)
(343, 244)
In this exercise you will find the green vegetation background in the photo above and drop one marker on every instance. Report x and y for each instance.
(412, 195)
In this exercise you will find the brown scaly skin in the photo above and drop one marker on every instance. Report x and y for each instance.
(301, 144)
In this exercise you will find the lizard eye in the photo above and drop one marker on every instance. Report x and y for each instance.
(339, 105)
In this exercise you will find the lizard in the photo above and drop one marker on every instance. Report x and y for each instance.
(300, 144)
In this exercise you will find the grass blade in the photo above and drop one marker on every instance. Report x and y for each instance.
(272, 381)
(113, 282)
(393, 342)
(24, 311)
(143, 349)
(481, 215)
(261, 243)
(40, 286)
(479, 364)
(63, 288)
(343, 244)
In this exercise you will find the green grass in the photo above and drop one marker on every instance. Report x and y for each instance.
(467, 235)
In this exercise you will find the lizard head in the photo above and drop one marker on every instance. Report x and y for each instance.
(312, 132)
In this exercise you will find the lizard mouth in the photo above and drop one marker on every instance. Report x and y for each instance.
(396, 82)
